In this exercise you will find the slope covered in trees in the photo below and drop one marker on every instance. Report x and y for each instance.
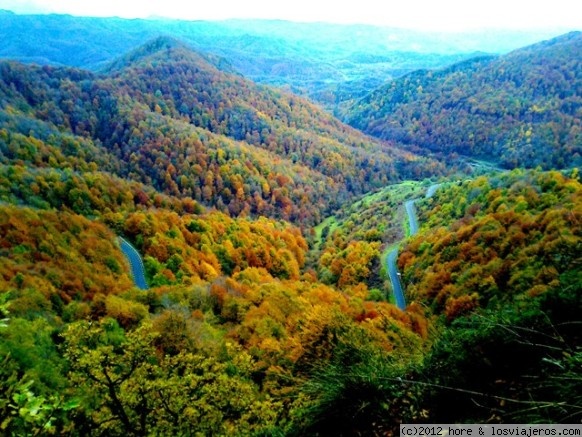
(247, 329)
(234, 325)
(498, 259)
(494, 240)
(237, 336)
(223, 343)
(347, 245)
(519, 109)
(497, 263)
(166, 116)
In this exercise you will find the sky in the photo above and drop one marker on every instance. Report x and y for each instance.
(442, 15)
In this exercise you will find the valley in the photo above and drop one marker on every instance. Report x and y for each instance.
(458, 109)
(393, 273)
(275, 228)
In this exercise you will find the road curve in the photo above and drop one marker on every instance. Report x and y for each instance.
(431, 190)
(395, 278)
(135, 262)
(412, 218)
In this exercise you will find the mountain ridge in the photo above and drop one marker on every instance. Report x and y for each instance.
(316, 60)
(256, 322)
(286, 150)
(166, 43)
(504, 108)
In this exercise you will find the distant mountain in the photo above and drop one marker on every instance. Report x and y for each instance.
(520, 109)
(330, 63)
(166, 116)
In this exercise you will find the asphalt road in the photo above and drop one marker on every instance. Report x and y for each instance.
(412, 218)
(431, 190)
(393, 273)
(395, 280)
(135, 262)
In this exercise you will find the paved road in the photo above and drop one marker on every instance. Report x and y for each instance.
(136, 263)
(412, 218)
(431, 190)
(395, 278)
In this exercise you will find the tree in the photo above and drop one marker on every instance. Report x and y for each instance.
(127, 388)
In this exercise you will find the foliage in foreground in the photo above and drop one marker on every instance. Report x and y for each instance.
(265, 349)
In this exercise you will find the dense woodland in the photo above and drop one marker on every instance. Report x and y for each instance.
(520, 110)
(262, 222)
(500, 261)
(166, 117)
(501, 229)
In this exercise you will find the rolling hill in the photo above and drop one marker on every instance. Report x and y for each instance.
(256, 321)
(519, 109)
(330, 63)
(167, 116)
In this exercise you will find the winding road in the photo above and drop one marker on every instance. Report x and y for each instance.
(135, 262)
(393, 273)
(412, 217)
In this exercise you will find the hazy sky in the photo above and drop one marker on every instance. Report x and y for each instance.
(417, 14)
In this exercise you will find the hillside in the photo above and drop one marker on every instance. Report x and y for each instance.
(519, 109)
(499, 259)
(347, 246)
(497, 263)
(260, 221)
(493, 240)
(168, 117)
(229, 333)
(233, 310)
(322, 61)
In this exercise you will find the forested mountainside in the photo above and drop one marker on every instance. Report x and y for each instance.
(330, 63)
(167, 117)
(519, 109)
(239, 335)
(501, 238)
(499, 260)
(255, 321)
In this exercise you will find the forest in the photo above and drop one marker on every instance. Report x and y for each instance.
(263, 223)
(521, 109)
(167, 117)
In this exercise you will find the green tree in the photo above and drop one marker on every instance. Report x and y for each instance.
(126, 388)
